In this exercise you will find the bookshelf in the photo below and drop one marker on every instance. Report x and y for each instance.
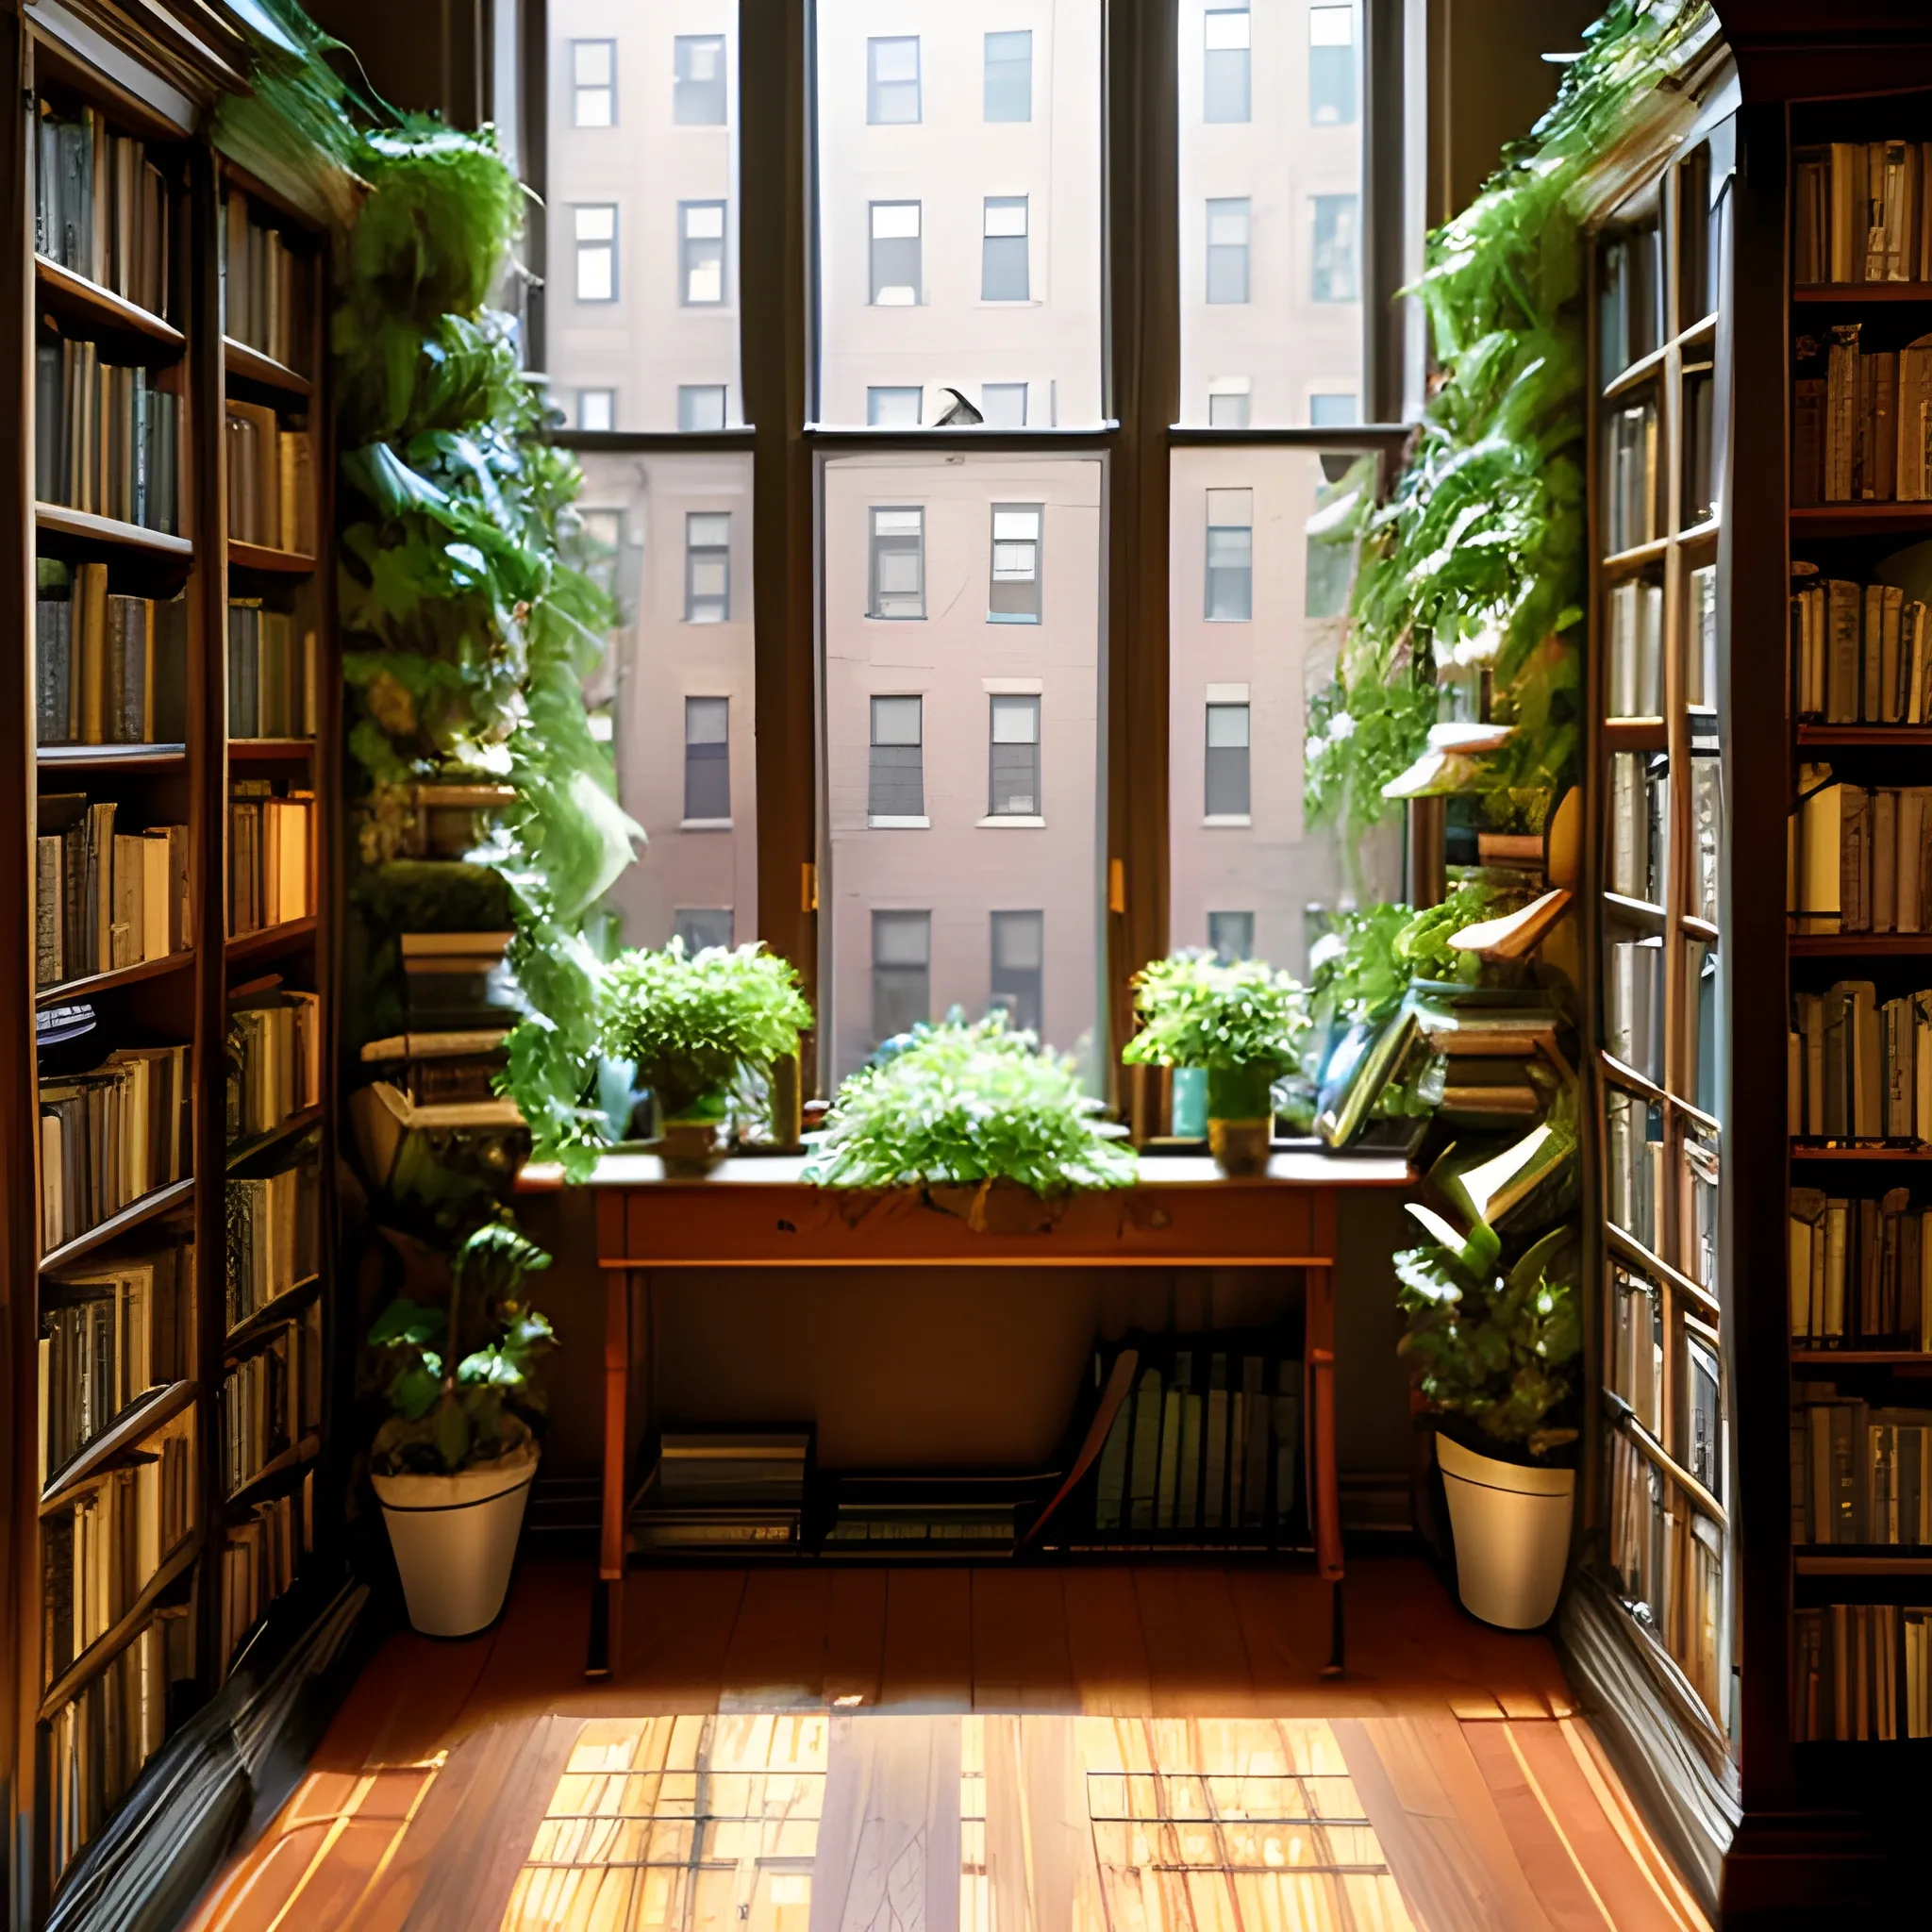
(166, 1444)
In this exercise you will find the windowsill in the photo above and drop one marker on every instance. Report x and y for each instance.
(1011, 617)
(1228, 817)
(1014, 821)
(704, 824)
(920, 824)
(884, 617)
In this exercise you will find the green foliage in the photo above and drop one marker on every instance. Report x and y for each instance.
(1196, 1011)
(693, 1021)
(969, 1103)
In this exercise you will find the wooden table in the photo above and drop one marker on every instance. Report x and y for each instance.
(758, 1212)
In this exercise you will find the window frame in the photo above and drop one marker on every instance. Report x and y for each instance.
(685, 241)
(1027, 704)
(578, 89)
(696, 554)
(873, 83)
(678, 81)
(988, 240)
(609, 244)
(713, 751)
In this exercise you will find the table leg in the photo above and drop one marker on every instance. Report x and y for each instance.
(606, 1610)
(1324, 1487)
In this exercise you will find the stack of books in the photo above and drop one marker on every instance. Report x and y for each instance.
(259, 1558)
(106, 435)
(1630, 477)
(271, 674)
(101, 206)
(271, 855)
(1860, 1070)
(1668, 1558)
(275, 1059)
(270, 1399)
(111, 1136)
(458, 982)
(274, 1239)
(441, 1069)
(1859, 1270)
(262, 288)
(1861, 1673)
(271, 481)
(108, 1334)
(1861, 654)
(1859, 1476)
(951, 1515)
(104, 898)
(1861, 420)
(725, 1489)
(1861, 211)
(107, 669)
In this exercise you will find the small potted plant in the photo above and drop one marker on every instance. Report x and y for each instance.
(1495, 1352)
(452, 1466)
(981, 1118)
(1239, 1020)
(695, 1024)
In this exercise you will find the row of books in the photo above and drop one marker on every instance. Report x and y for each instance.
(1634, 1165)
(274, 1060)
(271, 481)
(272, 690)
(1859, 1476)
(101, 206)
(1634, 642)
(106, 435)
(715, 1489)
(1630, 298)
(1858, 1270)
(271, 854)
(263, 287)
(108, 1335)
(270, 1400)
(99, 1555)
(1860, 653)
(111, 1136)
(273, 1235)
(108, 669)
(1861, 1674)
(1861, 420)
(1860, 858)
(1858, 1068)
(259, 1560)
(1640, 825)
(106, 899)
(1861, 211)
(1630, 477)
(97, 1744)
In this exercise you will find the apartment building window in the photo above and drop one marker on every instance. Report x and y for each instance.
(1019, 967)
(707, 566)
(1226, 84)
(593, 83)
(892, 81)
(1003, 405)
(895, 791)
(698, 95)
(1227, 761)
(1227, 402)
(1009, 76)
(1331, 66)
(1013, 596)
(601, 545)
(1228, 249)
(1003, 258)
(700, 406)
(701, 253)
(898, 564)
(1328, 408)
(1015, 758)
(1230, 555)
(595, 224)
(706, 761)
(1231, 936)
(895, 266)
(596, 408)
(1337, 277)
(700, 926)
(901, 972)
(893, 407)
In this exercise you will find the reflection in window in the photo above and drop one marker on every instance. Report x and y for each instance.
(700, 926)
(898, 564)
(707, 567)
(894, 407)
(1226, 80)
(1014, 594)
(896, 793)
(892, 81)
(901, 972)
(1227, 250)
(1331, 65)
(1003, 256)
(1335, 276)
(708, 758)
(1003, 405)
(1019, 961)
(1010, 77)
(701, 253)
(895, 263)
(597, 240)
(1231, 936)
(697, 92)
(1015, 761)
(1230, 555)
(700, 406)
(593, 83)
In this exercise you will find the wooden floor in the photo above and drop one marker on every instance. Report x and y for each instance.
(994, 1750)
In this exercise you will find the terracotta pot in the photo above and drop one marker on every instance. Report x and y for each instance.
(1510, 1524)
(455, 1538)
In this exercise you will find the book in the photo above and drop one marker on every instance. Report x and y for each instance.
(273, 1233)
(110, 1136)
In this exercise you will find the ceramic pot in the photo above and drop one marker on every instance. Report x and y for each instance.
(455, 1538)
(1240, 1118)
(1510, 1524)
(690, 1149)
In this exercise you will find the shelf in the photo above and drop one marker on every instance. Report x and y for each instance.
(265, 557)
(1656, 1452)
(1701, 533)
(1862, 518)
(1639, 912)
(265, 1477)
(156, 1203)
(271, 939)
(1862, 292)
(1634, 734)
(1800, 1151)
(146, 1413)
(1846, 736)
(1822, 1563)
(57, 520)
(1637, 556)
(1861, 1359)
(1636, 374)
(94, 984)
(120, 758)
(297, 1124)
(106, 1647)
(1860, 945)
(1703, 330)
(271, 1314)
(1700, 930)
(238, 358)
(66, 289)
(249, 750)
(1633, 1251)
(1630, 1079)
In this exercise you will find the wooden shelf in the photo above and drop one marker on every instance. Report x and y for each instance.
(292, 1128)
(1699, 929)
(106, 1647)
(1636, 912)
(1634, 734)
(264, 557)
(1634, 376)
(1861, 1359)
(1861, 946)
(134, 1424)
(1816, 1563)
(1662, 1458)
(272, 940)
(57, 520)
(74, 294)
(1848, 737)
(116, 757)
(1862, 292)
(251, 365)
(1636, 556)
(1861, 520)
(1634, 1252)
(1800, 1151)
(158, 1201)
(1630, 1079)
(94, 984)
(268, 750)
(265, 1478)
(271, 1314)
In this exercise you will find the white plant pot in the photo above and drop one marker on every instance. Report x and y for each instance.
(455, 1538)
(1511, 1526)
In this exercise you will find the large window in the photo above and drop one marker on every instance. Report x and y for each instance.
(1230, 555)
(896, 792)
(1019, 966)
(1226, 90)
(1014, 594)
(593, 83)
(699, 98)
(901, 972)
(596, 235)
(708, 761)
(1015, 761)
(895, 258)
(1009, 76)
(1003, 252)
(897, 584)
(891, 80)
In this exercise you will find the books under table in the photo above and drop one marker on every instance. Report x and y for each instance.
(723, 1488)
(108, 893)
(1861, 1674)
(111, 1136)
(108, 668)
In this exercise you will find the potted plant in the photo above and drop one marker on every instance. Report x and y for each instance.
(695, 1024)
(979, 1117)
(1242, 1020)
(452, 1466)
(1495, 1352)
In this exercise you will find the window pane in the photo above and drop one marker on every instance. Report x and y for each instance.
(596, 408)
(1019, 959)
(644, 310)
(1003, 405)
(1237, 694)
(1004, 726)
(924, 135)
(898, 564)
(892, 408)
(1270, 183)
(1227, 404)
(674, 691)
